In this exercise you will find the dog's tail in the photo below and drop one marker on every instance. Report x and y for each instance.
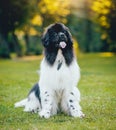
(21, 103)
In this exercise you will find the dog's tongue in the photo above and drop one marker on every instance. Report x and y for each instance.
(62, 44)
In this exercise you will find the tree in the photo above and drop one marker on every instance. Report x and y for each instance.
(48, 12)
(54, 11)
(105, 16)
(112, 29)
(14, 14)
(82, 26)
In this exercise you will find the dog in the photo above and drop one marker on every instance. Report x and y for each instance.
(57, 89)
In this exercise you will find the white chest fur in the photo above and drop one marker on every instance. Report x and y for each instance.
(64, 78)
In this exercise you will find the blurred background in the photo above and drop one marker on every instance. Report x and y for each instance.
(91, 22)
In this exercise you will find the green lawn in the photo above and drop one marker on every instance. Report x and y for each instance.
(98, 94)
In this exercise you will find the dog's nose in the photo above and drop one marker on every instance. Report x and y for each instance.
(61, 34)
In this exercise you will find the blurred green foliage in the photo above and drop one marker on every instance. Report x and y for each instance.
(92, 24)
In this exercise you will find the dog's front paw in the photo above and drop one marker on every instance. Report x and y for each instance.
(78, 113)
(44, 114)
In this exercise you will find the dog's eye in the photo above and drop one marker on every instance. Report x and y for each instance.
(65, 32)
(55, 38)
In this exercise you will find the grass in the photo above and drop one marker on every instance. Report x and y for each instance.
(98, 95)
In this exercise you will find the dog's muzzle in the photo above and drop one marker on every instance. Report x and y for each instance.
(63, 40)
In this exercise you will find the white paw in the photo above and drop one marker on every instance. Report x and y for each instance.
(78, 113)
(30, 110)
(33, 109)
(21, 103)
(16, 104)
(44, 114)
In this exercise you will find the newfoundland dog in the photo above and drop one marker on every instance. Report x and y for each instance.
(56, 89)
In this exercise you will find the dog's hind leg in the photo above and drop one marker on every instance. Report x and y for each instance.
(33, 102)
(30, 104)
(21, 103)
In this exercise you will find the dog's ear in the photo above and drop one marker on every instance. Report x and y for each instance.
(70, 39)
(45, 39)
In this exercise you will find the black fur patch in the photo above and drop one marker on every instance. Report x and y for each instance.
(36, 90)
(70, 100)
(59, 65)
(72, 93)
(46, 92)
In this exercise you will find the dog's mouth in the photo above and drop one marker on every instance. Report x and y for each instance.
(62, 44)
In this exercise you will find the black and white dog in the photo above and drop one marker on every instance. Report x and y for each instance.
(59, 75)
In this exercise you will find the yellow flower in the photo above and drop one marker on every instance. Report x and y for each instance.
(37, 20)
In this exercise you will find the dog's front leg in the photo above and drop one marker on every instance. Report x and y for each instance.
(73, 103)
(46, 102)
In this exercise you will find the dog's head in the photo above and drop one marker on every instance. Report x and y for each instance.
(57, 36)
